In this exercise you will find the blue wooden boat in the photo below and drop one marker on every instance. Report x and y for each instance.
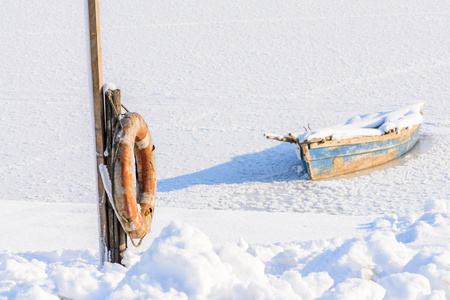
(384, 137)
(327, 158)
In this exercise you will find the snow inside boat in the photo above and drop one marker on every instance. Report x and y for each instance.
(362, 142)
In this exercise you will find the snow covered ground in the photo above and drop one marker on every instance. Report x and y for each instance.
(235, 219)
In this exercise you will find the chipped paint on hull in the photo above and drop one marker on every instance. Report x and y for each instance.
(323, 161)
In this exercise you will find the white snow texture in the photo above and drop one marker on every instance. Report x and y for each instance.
(236, 217)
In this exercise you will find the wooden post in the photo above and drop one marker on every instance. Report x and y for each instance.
(113, 239)
(117, 236)
(122, 240)
(109, 119)
(97, 83)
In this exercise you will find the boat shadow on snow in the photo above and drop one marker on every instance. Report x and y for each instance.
(278, 163)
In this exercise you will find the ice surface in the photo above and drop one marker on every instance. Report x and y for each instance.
(210, 78)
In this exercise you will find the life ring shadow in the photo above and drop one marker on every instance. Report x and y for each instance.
(278, 163)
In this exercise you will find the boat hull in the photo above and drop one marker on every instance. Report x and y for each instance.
(331, 158)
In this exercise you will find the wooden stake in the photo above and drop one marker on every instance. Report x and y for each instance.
(97, 83)
(117, 236)
(109, 131)
(122, 240)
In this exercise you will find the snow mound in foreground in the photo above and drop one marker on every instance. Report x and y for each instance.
(393, 261)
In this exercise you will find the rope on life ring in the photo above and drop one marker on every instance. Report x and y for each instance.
(133, 143)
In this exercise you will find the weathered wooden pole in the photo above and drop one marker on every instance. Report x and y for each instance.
(97, 83)
(113, 240)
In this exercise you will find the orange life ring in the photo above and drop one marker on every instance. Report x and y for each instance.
(133, 140)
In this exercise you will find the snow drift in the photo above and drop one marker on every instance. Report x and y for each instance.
(392, 261)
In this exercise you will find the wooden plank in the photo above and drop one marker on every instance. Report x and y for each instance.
(352, 148)
(117, 236)
(97, 83)
(109, 131)
(121, 236)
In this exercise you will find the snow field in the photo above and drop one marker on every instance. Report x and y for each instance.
(210, 78)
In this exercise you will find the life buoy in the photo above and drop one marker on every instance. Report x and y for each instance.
(133, 140)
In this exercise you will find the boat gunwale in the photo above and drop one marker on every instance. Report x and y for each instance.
(359, 140)
(406, 134)
(363, 152)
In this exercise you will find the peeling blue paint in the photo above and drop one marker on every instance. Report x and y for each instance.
(335, 160)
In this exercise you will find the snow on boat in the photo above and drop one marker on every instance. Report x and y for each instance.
(362, 142)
